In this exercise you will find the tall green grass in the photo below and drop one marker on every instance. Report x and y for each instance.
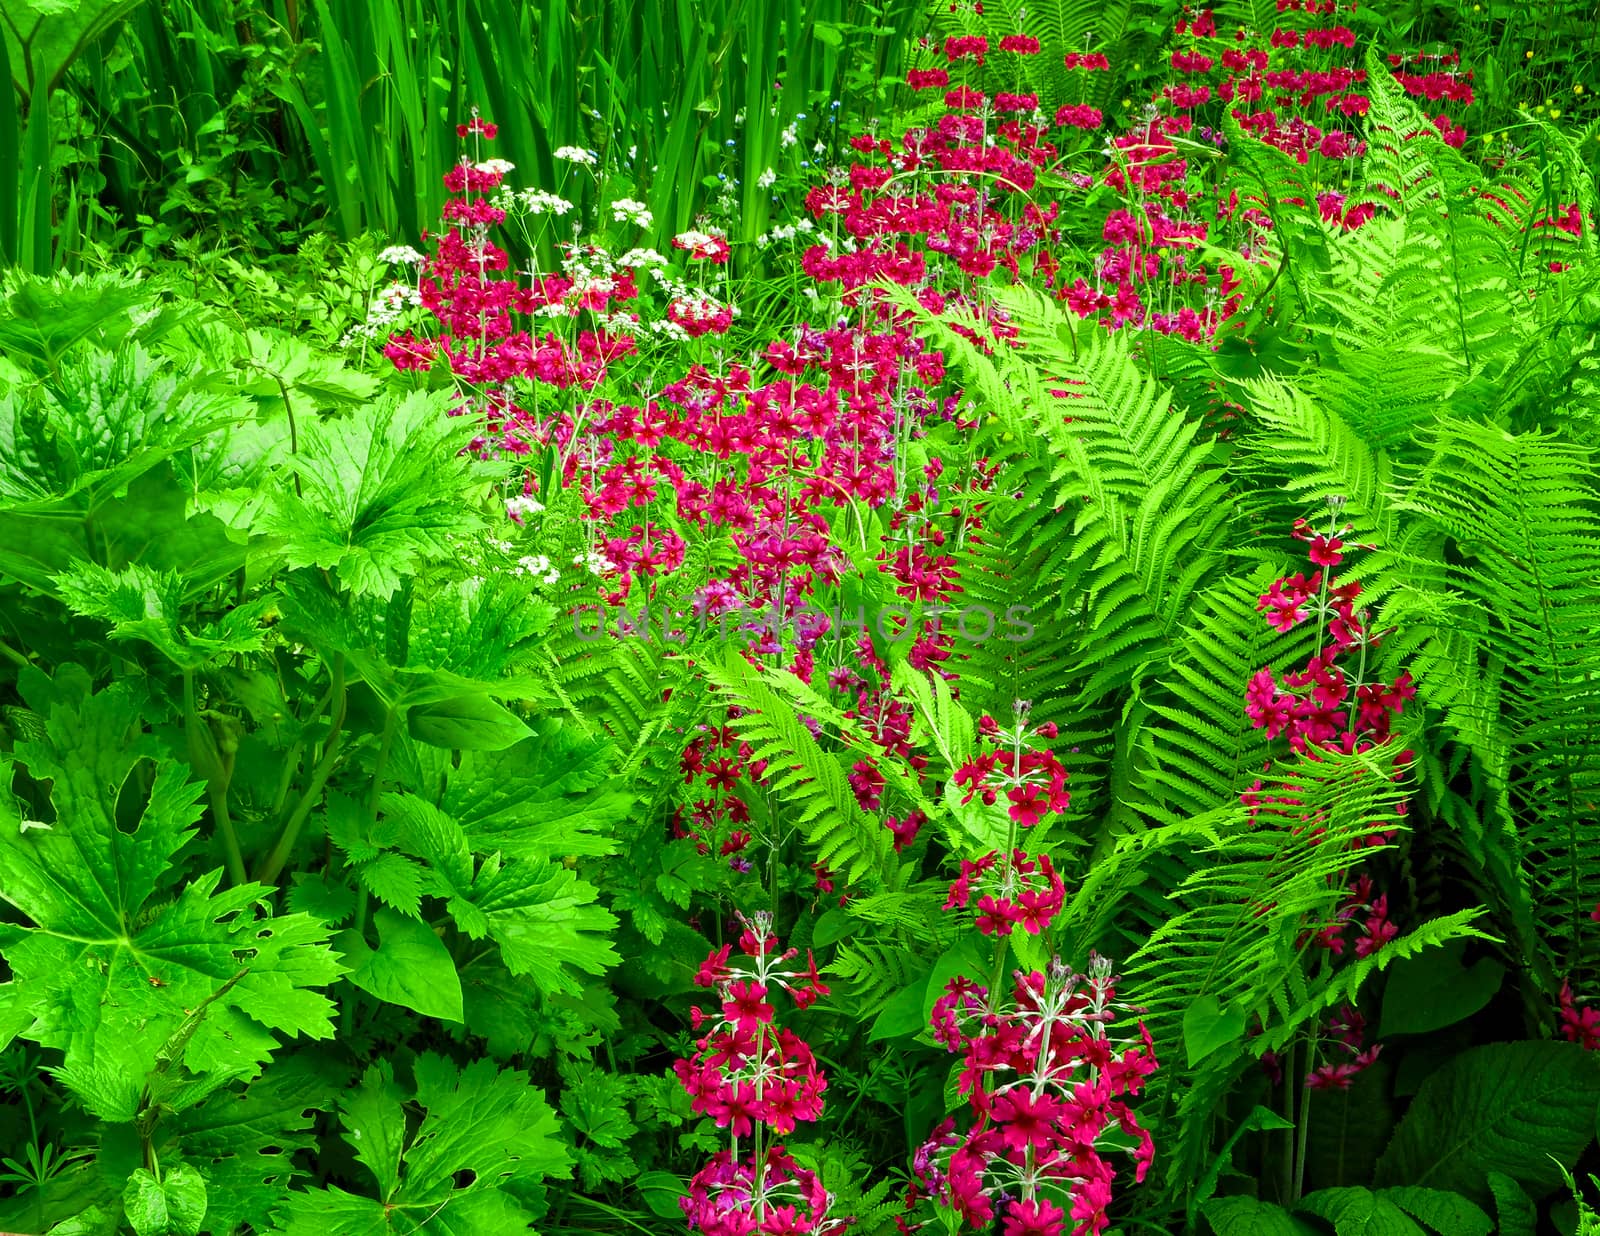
(349, 107)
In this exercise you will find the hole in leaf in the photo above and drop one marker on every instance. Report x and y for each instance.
(466, 1178)
(34, 803)
(133, 797)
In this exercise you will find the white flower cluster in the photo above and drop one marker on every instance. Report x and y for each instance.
(692, 240)
(538, 202)
(626, 210)
(384, 312)
(786, 231)
(493, 167)
(579, 262)
(538, 565)
(767, 179)
(670, 330)
(637, 258)
(401, 255)
(522, 506)
(594, 562)
(576, 154)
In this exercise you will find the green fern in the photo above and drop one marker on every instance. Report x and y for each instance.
(811, 783)
(1520, 512)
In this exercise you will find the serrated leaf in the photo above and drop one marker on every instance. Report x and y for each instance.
(96, 424)
(466, 723)
(1517, 1108)
(490, 1127)
(141, 604)
(1359, 1212)
(111, 968)
(1245, 1216)
(1514, 1211)
(246, 1143)
(410, 967)
(596, 1105)
(375, 1125)
(327, 901)
(383, 490)
(546, 797)
(1449, 1214)
(314, 376)
(394, 880)
(545, 920)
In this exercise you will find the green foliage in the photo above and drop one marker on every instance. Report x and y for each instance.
(1517, 1109)
(487, 1124)
(254, 635)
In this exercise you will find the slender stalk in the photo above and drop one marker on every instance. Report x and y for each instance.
(270, 868)
(206, 759)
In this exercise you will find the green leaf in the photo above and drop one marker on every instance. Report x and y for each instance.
(311, 375)
(1359, 1212)
(595, 1102)
(1449, 1214)
(1513, 1209)
(383, 491)
(95, 1221)
(185, 1191)
(1260, 1119)
(1208, 1027)
(466, 723)
(832, 927)
(1518, 1108)
(540, 914)
(410, 967)
(173, 1206)
(144, 1204)
(375, 1125)
(902, 1016)
(143, 605)
(249, 1145)
(97, 424)
(55, 32)
(485, 1138)
(118, 956)
(1433, 990)
(661, 1191)
(1245, 1216)
(544, 798)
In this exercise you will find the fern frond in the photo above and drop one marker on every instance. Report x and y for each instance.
(811, 782)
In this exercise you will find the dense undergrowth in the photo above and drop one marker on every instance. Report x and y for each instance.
(990, 630)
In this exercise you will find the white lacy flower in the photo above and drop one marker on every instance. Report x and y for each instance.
(594, 562)
(576, 154)
(384, 312)
(538, 564)
(642, 257)
(670, 330)
(692, 240)
(767, 179)
(523, 505)
(400, 255)
(492, 167)
(789, 136)
(538, 202)
(626, 210)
